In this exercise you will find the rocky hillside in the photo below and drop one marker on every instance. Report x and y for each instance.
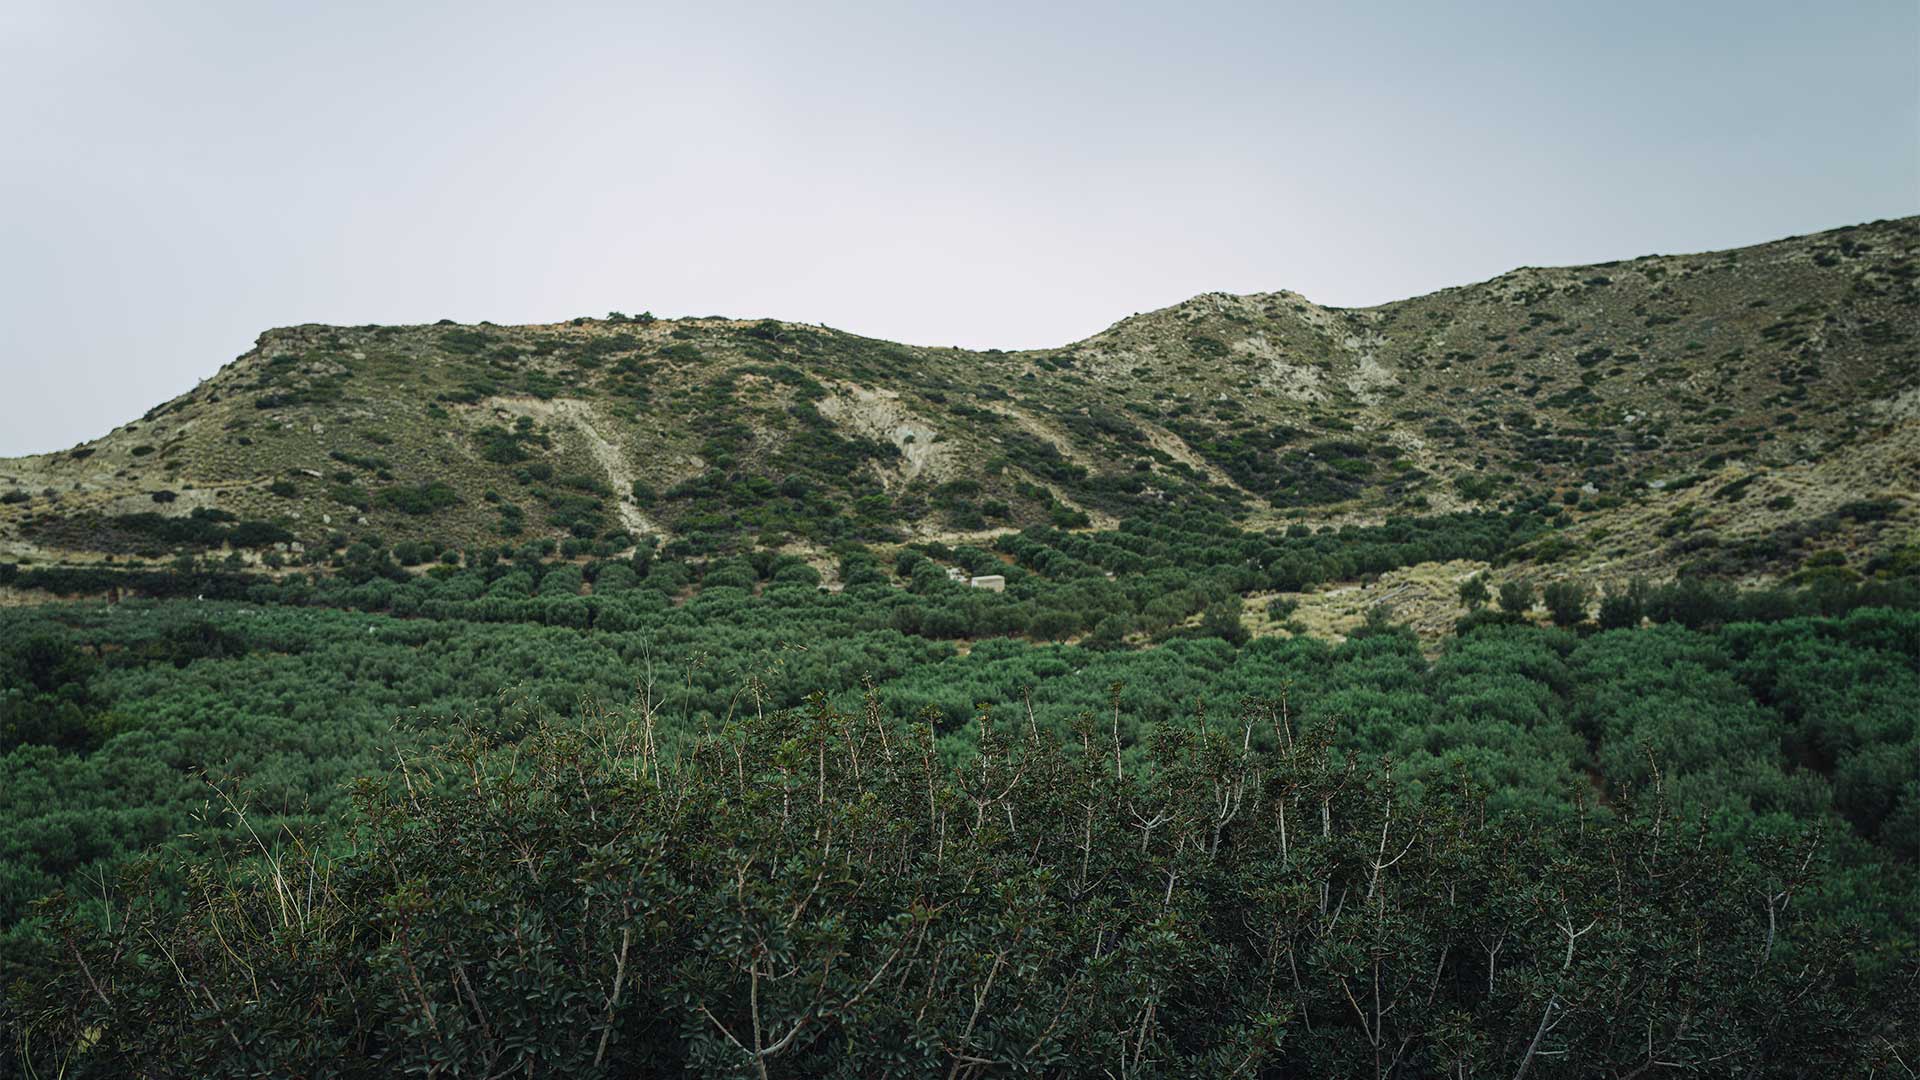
(1739, 410)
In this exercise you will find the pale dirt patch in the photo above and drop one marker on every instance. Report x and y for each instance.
(1369, 379)
(619, 469)
(956, 537)
(1258, 347)
(1424, 597)
(1902, 406)
(19, 598)
(1297, 382)
(879, 414)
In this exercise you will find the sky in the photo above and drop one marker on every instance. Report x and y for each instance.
(176, 178)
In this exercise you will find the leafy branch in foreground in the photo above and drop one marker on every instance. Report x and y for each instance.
(815, 893)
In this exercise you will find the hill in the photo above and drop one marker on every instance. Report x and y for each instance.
(1071, 634)
(1739, 411)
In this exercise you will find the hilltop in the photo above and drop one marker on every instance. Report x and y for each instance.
(1740, 411)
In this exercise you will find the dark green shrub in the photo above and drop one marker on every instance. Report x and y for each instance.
(257, 534)
(46, 697)
(414, 552)
(419, 499)
(1516, 596)
(1566, 602)
(1473, 592)
(500, 446)
(1623, 608)
(1691, 602)
(1474, 486)
(1222, 620)
(1869, 510)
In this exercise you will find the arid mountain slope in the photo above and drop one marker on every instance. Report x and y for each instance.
(1765, 398)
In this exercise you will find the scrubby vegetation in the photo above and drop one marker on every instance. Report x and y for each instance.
(1728, 386)
(1773, 722)
(815, 893)
(154, 534)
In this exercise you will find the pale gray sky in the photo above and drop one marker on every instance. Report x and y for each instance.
(176, 177)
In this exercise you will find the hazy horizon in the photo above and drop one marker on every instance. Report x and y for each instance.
(177, 181)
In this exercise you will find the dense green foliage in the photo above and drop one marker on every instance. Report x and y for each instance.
(812, 893)
(152, 534)
(1142, 578)
(1765, 718)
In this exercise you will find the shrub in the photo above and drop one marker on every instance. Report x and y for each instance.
(1566, 602)
(1623, 608)
(1691, 602)
(1377, 621)
(1222, 620)
(1516, 596)
(258, 534)
(419, 499)
(414, 552)
(1066, 517)
(1473, 486)
(1869, 510)
(500, 446)
(1051, 624)
(1473, 592)
(464, 342)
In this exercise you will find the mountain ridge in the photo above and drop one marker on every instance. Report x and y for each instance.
(1742, 392)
